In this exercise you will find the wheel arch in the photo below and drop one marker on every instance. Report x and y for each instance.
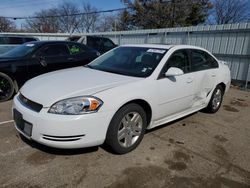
(223, 85)
(144, 104)
(110, 140)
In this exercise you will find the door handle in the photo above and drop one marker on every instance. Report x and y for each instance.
(213, 75)
(189, 80)
(43, 63)
(71, 59)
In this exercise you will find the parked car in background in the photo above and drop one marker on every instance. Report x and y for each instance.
(120, 94)
(9, 42)
(74, 38)
(101, 44)
(35, 58)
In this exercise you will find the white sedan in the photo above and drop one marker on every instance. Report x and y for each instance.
(120, 94)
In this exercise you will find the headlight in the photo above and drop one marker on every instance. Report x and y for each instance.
(76, 106)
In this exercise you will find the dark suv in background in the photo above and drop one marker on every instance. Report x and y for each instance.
(9, 42)
(101, 44)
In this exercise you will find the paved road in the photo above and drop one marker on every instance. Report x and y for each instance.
(202, 150)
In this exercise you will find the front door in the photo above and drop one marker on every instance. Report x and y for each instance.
(48, 58)
(55, 57)
(175, 93)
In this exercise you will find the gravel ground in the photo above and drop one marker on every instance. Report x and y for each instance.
(201, 150)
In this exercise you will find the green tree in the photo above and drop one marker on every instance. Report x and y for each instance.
(198, 13)
(150, 14)
(123, 21)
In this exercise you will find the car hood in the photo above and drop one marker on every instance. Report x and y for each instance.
(52, 87)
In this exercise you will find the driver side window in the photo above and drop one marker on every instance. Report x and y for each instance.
(54, 50)
(179, 59)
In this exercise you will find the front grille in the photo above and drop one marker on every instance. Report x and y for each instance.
(30, 104)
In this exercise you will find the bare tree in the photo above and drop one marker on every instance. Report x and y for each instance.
(88, 20)
(107, 23)
(230, 11)
(44, 22)
(68, 19)
(6, 25)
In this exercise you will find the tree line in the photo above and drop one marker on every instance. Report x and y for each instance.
(68, 17)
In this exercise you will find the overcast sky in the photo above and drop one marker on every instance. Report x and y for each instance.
(25, 8)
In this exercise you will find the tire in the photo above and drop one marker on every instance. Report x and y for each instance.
(123, 134)
(7, 87)
(216, 100)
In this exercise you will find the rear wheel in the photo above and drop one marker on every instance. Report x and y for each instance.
(216, 100)
(126, 129)
(7, 87)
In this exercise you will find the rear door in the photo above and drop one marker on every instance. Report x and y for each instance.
(175, 94)
(205, 69)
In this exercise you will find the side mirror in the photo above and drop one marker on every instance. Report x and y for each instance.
(173, 71)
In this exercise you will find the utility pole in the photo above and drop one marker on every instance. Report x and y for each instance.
(173, 13)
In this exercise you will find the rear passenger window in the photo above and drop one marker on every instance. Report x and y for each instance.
(107, 43)
(94, 42)
(213, 63)
(202, 61)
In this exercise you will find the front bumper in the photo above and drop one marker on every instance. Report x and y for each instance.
(64, 131)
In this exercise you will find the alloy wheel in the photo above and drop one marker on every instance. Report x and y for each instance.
(5, 88)
(130, 129)
(217, 99)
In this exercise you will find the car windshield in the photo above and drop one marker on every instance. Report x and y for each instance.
(20, 51)
(131, 61)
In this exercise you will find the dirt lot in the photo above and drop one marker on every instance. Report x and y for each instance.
(202, 150)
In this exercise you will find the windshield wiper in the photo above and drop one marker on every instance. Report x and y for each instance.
(116, 72)
(109, 70)
(88, 66)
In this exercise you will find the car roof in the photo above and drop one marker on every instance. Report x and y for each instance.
(149, 45)
(20, 36)
(163, 46)
(98, 37)
(92, 36)
(52, 42)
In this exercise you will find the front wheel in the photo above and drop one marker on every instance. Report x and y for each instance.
(216, 100)
(7, 88)
(126, 129)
